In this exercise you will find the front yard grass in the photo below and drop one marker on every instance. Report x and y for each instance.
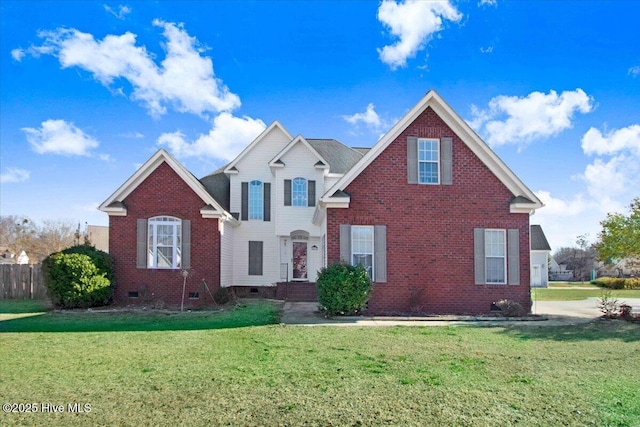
(166, 373)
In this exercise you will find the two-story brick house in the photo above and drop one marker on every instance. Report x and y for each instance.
(440, 222)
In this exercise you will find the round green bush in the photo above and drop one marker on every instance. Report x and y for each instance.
(101, 259)
(73, 280)
(343, 289)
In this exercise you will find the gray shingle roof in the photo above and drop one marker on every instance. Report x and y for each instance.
(340, 157)
(217, 184)
(538, 239)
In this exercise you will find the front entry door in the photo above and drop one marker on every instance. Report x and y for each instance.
(299, 260)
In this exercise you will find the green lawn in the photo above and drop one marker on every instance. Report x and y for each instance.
(569, 294)
(200, 369)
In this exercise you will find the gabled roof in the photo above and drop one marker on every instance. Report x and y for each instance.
(217, 184)
(114, 206)
(433, 100)
(277, 160)
(538, 239)
(339, 157)
(231, 167)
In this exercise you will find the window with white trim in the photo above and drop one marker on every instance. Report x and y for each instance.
(495, 252)
(428, 161)
(299, 192)
(362, 247)
(256, 200)
(164, 242)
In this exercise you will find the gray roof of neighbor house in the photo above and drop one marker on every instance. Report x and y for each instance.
(340, 157)
(538, 239)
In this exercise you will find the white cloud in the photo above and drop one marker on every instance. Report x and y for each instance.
(628, 138)
(132, 135)
(414, 22)
(634, 71)
(17, 54)
(184, 80)
(488, 49)
(121, 11)
(488, 3)
(14, 175)
(519, 120)
(228, 136)
(370, 119)
(60, 137)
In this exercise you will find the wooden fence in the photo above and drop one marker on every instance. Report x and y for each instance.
(22, 281)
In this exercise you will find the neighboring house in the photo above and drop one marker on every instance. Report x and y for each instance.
(559, 272)
(8, 257)
(98, 236)
(438, 220)
(540, 251)
(22, 258)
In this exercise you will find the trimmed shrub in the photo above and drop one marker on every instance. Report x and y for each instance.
(343, 289)
(617, 282)
(222, 296)
(510, 308)
(73, 280)
(101, 259)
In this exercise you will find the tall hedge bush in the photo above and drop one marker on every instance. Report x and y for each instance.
(79, 277)
(343, 288)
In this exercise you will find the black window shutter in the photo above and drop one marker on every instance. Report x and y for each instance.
(255, 258)
(311, 193)
(267, 201)
(244, 209)
(287, 192)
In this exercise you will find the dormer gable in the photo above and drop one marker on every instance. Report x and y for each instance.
(320, 162)
(232, 167)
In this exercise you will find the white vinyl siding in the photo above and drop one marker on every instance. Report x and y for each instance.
(164, 243)
(428, 161)
(495, 250)
(226, 253)
(362, 247)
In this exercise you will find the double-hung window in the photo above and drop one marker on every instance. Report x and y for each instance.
(362, 247)
(428, 161)
(299, 192)
(495, 251)
(256, 200)
(164, 243)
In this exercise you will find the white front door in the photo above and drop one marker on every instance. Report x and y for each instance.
(299, 260)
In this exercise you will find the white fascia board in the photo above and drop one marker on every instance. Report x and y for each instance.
(254, 143)
(523, 208)
(147, 169)
(114, 211)
(461, 129)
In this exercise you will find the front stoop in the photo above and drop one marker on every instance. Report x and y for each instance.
(297, 291)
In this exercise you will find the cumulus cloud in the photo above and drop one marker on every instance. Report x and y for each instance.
(60, 137)
(119, 12)
(18, 53)
(634, 71)
(520, 120)
(628, 138)
(413, 22)
(14, 175)
(227, 137)
(184, 80)
(370, 119)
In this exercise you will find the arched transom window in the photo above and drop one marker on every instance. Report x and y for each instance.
(299, 192)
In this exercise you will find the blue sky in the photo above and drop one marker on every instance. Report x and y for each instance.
(90, 90)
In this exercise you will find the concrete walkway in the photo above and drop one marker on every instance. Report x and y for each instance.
(545, 313)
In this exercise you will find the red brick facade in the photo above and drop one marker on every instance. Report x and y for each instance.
(430, 229)
(164, 193)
